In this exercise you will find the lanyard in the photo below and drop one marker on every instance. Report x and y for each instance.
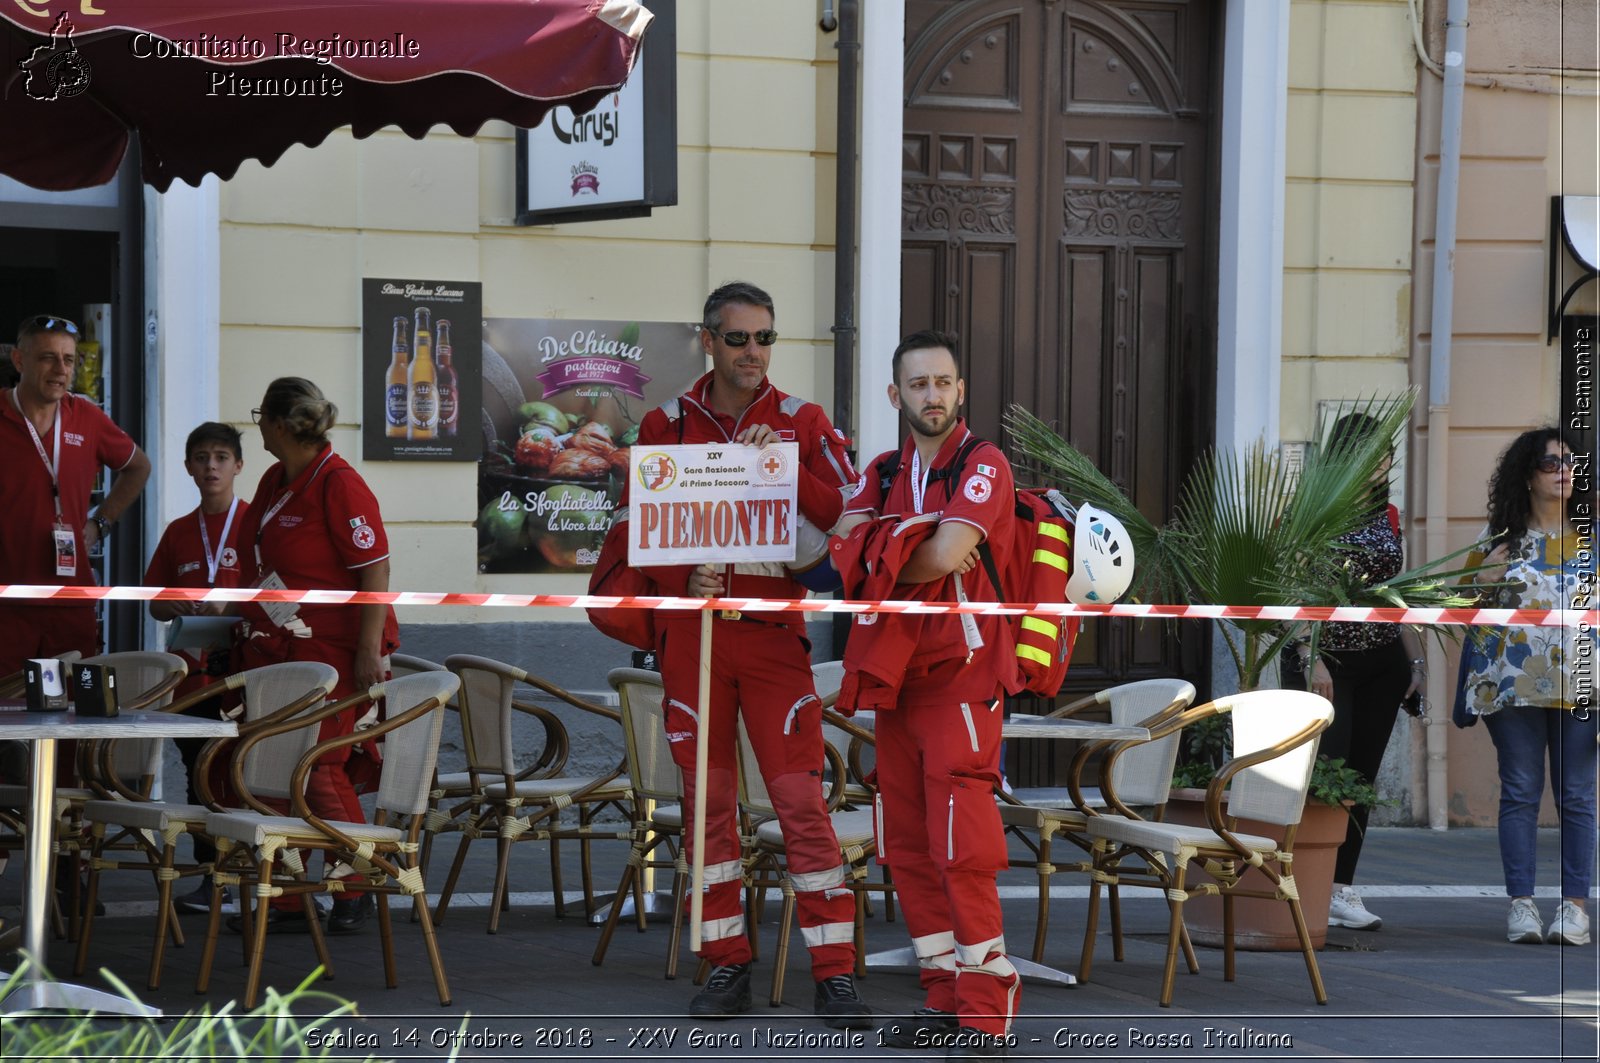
(919, 481)
(53, 466)
(282, 501)
(212, 561)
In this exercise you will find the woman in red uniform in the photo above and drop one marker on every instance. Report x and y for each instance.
(314, 525)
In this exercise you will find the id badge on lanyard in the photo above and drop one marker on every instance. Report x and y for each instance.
(66, 549)
(63, 540)
(280, 613)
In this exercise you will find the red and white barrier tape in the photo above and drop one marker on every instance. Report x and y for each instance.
(1583, 618)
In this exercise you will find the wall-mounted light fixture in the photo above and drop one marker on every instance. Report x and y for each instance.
(1575, 223)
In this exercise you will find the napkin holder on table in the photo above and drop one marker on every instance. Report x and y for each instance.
(95, 687)
(45, 687)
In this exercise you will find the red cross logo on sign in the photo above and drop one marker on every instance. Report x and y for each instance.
(772, 467)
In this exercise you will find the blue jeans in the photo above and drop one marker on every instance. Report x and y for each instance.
(1521, 736)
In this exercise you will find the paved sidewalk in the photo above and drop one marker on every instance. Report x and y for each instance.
(1438, 982)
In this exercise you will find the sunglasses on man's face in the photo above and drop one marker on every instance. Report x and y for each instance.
(1552, 462)
(46, 323)
(736, 338)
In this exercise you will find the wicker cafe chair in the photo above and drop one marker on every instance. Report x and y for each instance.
(385, 851)
(858, 747)
(400, 666)
(109, 767)
(1275, 736)
(658, 808)
(526, 805)
(1143, 776)
(766, 851)
(135, 834)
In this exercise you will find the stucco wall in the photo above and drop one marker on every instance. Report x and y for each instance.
(1347, 241)
(755, 163)
(1526, 135)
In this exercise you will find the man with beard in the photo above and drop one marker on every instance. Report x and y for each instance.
(760, 669)
(938, 732)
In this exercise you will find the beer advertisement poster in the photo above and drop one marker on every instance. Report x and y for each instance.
(421, 362)
(713, 503)
(562, 402)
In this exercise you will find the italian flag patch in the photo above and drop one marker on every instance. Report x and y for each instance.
(986, 470)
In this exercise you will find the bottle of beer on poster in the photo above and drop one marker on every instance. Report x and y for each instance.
(449, 397)
(421, 378)
(396, 389)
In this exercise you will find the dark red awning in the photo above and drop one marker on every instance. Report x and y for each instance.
(209, 83)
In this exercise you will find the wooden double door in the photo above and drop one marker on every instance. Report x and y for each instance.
(1058, 217)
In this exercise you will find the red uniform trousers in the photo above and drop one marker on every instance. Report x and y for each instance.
(330, 792)
(762, 672)
(941, 834)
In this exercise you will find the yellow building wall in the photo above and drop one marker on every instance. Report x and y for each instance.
(1527, 133)
(756, 90)
(1348, 205)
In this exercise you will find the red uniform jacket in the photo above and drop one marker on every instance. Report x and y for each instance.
(981, 493)
(824, 469)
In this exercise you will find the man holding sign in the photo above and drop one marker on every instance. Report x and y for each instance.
(760, 667)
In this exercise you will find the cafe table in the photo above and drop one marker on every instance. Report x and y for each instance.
(1019, 727)
(37, 992)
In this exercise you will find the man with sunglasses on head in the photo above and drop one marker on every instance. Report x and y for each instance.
(52, 445)
(760, 669)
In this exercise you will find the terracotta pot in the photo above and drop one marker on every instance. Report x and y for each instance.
(1265, 925)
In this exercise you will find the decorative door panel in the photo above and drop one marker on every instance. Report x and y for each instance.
(1057, 217)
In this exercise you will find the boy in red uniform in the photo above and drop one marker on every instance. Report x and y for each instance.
(201, 549)
(938, 745)
(760, 669)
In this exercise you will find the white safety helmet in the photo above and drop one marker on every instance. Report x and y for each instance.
(1102, 558)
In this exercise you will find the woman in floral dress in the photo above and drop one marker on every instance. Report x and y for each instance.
(1534, 687)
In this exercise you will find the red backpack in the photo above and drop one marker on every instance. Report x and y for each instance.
(613, 577)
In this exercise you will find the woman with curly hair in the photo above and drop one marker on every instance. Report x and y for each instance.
(1534, 687)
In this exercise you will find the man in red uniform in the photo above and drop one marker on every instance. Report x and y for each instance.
(52, 446)
(760, 669)
(201, 549)
(938, 746)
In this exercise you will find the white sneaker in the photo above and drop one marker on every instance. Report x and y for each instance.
(1570, 926)
(1346, 910)
(1523, 925)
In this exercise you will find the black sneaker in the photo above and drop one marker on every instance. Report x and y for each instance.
(199, 900)
(839, 1005)
(350, 914)
(726, 994)
(973, 1044)
(926, 1028)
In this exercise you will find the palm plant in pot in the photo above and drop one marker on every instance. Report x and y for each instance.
(1249, 530)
